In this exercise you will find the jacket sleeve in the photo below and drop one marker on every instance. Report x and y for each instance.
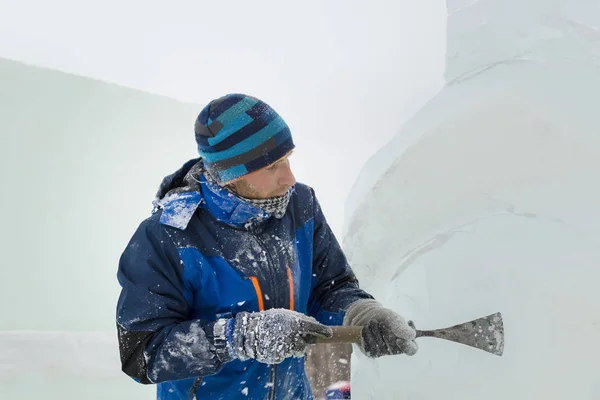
(334, 285)
(157, 342)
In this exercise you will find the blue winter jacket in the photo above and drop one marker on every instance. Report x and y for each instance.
(205, 254)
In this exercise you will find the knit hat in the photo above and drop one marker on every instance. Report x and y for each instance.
(239, 134)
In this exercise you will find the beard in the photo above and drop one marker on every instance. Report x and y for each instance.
(248, 191)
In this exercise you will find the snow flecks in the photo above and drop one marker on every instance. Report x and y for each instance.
(245, 391)
(249, 256)
(190, 348)
(179, 209)
(284, 247)
(273, 336)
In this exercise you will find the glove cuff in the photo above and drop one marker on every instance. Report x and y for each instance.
(223, 339)
(361, 311)
(240, 337)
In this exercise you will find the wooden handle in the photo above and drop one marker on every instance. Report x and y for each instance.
(353, 334)
(341, 334)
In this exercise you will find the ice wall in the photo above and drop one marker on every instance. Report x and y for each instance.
(65, 365)
(79, 169)
(487, 201)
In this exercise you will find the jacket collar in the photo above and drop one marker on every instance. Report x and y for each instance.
(186, 190)
(229, 208)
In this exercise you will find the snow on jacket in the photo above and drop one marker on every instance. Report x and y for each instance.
(206, 254)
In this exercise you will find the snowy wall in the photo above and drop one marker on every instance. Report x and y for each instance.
(487, 201)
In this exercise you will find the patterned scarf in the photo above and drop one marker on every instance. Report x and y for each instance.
(274, 205)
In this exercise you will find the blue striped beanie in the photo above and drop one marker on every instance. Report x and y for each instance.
(239, 134)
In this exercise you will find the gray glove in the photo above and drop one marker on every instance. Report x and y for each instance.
(273, 335)
(384, 331)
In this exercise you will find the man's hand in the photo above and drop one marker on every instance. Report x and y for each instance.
(273, 335)
(384, 331)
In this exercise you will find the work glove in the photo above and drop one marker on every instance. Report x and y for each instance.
(273, 335)
(384, 331)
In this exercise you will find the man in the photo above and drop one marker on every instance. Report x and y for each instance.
(236, 271)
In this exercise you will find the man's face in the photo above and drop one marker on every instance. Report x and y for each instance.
(272, 181)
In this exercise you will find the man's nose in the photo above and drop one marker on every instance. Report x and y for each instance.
(287, 177)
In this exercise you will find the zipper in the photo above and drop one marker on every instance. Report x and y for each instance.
(192, 393)
(270, 267)
(273, 377)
